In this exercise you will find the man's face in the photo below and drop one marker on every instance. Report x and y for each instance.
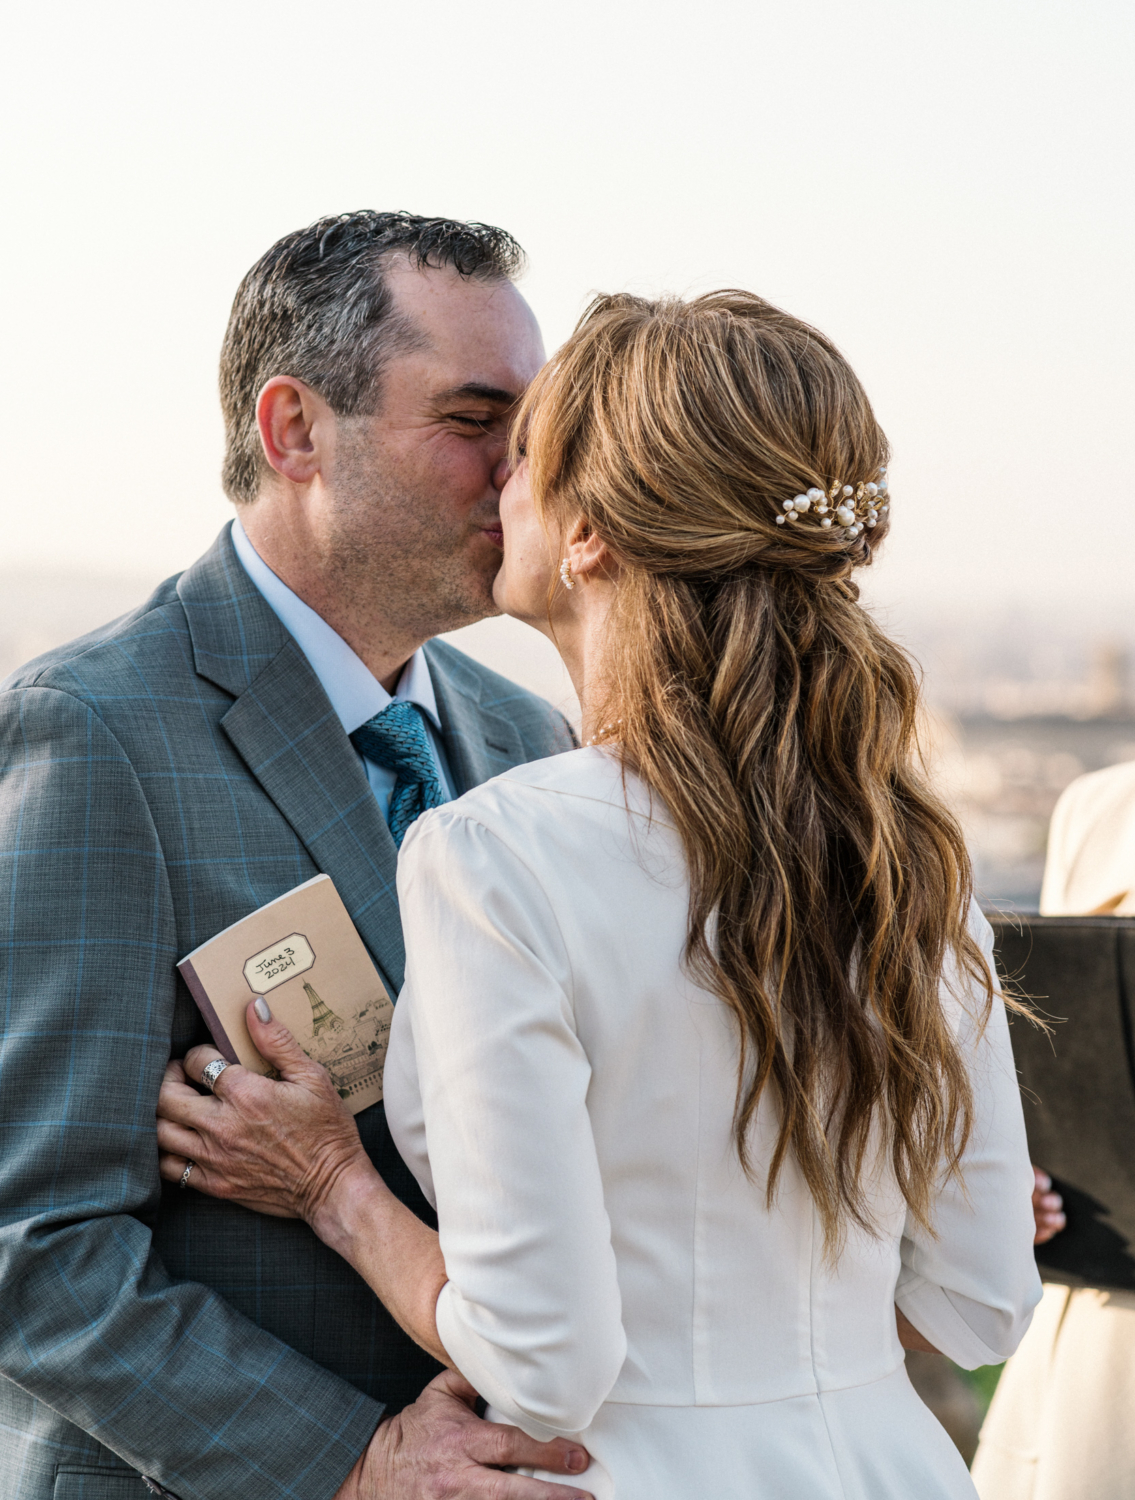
(412, 525)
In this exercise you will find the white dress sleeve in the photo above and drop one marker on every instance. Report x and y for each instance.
(531, 1313)
(971, 1287)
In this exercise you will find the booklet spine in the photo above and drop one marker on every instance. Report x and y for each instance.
(204, 1005)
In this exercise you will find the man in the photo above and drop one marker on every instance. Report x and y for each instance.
(172, 772)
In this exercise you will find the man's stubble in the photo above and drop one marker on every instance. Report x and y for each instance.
(395, 553)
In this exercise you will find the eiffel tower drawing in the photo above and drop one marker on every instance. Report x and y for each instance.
(323, 1018)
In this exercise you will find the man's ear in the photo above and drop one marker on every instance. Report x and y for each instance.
(589, 554)
(295, 426)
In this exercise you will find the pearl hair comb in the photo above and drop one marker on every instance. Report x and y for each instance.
(847, 508)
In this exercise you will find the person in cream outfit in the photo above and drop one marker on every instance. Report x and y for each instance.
(699, 1053)
(1061, 1426)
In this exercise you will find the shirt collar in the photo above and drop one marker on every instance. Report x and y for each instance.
(355, 693)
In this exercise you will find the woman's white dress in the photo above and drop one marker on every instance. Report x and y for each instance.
(564, 1093)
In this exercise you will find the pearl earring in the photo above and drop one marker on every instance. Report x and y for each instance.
(565, 574)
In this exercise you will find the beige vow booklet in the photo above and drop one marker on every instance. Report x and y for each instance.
(303, 952)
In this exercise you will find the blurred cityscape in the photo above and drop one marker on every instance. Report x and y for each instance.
(1018, 703)
(1011, 720)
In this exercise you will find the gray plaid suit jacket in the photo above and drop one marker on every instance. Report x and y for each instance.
(160, 779)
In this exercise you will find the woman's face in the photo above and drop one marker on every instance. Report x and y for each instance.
(530, 563)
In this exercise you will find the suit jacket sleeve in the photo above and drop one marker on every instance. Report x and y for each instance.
(164, 1373)
(971, 1287)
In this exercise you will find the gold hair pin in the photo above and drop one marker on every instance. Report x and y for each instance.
(850, 508)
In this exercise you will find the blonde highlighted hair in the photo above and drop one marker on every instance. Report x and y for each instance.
(776, 722)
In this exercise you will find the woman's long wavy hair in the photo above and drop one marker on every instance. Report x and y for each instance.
(775, 720)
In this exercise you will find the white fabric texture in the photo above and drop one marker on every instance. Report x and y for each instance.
(1090, 866)
(1061, 1424)
(564, 1094)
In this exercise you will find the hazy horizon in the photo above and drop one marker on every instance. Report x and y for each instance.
(41, 608)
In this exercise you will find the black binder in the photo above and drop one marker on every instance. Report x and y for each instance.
(1078, 1083)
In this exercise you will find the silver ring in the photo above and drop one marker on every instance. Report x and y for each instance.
(184, 1183)
(212, 1073)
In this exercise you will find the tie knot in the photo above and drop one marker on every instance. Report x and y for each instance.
(396, 738)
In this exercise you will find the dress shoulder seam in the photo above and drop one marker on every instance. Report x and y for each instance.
(534, 879)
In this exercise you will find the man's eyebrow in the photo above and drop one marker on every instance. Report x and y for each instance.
(480, 392)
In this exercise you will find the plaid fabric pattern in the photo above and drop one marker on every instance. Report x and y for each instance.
(396, 739)
(159, 780)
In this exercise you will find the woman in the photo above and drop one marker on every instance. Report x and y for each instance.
(699, 1053)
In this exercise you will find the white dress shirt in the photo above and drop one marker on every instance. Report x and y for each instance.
(356, 694)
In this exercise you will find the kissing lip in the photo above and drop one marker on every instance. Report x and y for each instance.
(495, 535)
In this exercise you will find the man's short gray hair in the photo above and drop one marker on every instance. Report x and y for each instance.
(316, 307)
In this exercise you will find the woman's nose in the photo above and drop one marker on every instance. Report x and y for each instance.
(502, 473)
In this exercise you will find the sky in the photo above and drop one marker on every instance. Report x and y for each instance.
(943, 188)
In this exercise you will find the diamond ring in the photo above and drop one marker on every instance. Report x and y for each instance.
(184, 1183)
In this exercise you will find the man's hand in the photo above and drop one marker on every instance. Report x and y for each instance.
(1047, 1209)
(438, 1449)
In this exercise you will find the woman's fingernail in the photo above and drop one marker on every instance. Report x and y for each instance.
(576, 1461)
(261, 1009)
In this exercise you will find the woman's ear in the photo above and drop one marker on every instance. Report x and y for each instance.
(588, 555)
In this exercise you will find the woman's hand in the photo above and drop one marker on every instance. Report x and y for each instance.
(290, 1148)
(278, 1147)
(1048, 1208)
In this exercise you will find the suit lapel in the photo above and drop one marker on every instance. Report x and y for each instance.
(292, 742)
(286, 732)
(234, 632)
(479, 742)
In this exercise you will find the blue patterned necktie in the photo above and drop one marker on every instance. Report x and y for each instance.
(396, 739)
